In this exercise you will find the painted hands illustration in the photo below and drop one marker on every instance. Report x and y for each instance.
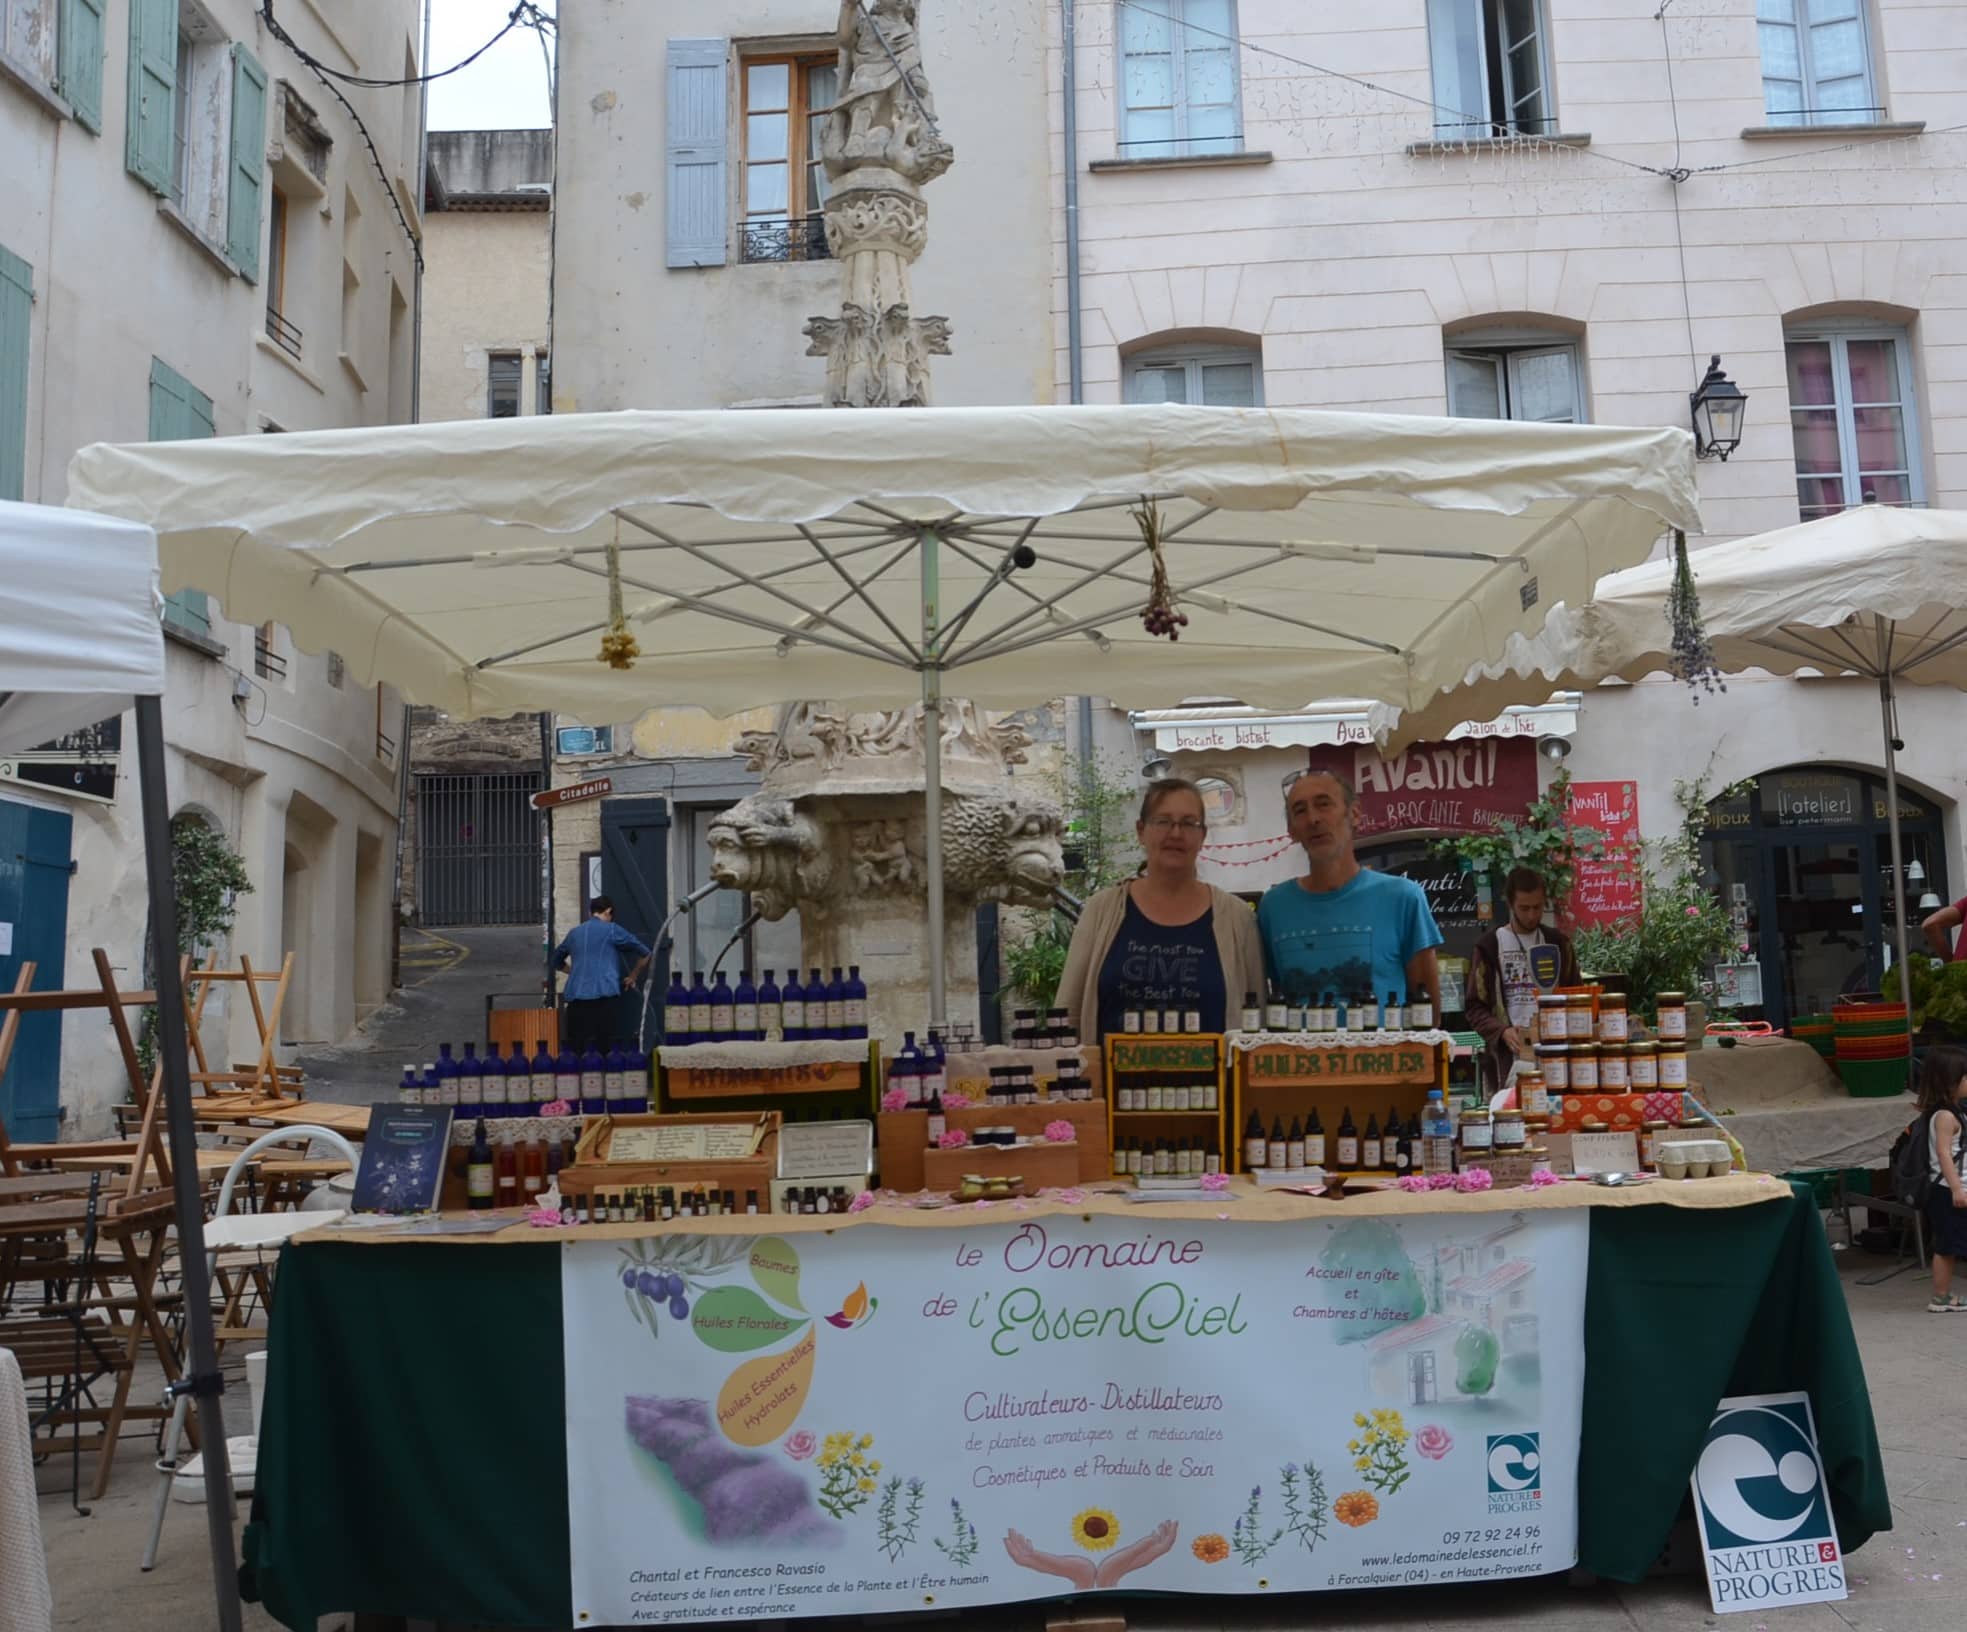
(1097, 1531)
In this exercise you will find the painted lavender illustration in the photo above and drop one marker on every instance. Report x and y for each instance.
(746, 1496)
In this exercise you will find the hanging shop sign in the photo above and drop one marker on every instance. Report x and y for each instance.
(81, 766)
(881, 1419)
(1212, 730)
(1436, 787)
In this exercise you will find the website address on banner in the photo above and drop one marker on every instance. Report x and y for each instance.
(1461, 1564)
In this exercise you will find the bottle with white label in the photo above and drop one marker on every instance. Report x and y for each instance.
(1252, 1016)
(770, 1015)
(699, 1010)
(792, 1009)
(1256, 1148)
(744, 1010)
(1392, 1017)
(1277, 1013)
(836, 1004)
(854, 1004)
(723, 1010)
(1420, 1013)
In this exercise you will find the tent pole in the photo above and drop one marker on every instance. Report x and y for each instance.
(932, 770)
(1892, 820)
(201, 1378)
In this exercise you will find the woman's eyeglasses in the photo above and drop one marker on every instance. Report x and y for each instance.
(1183, 825)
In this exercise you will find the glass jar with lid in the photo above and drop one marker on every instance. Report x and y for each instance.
(1553, 1022)
(1671, 1013)
(1649, 1134)
(1554, 1065)
(1578, 1017)
(1612, 1075)
(1478, 1132)
(1673, 1065)
(1533, 1094)
(1509, 1130)
(1614, 1020)
(1643, 1067)
(1584, 1068)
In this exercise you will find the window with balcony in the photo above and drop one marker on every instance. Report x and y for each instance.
(786, 100)
(1178, 79)
(279, 328)
(1528, 376)
(1816, 62)
(1217, 377)
(1853, 419)
(1491, 68)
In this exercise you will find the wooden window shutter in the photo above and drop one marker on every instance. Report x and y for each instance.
(150, 146)
(696, 141)
(246, 174)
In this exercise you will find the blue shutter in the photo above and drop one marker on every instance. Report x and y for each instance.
(180, 412)
(150, 146)
(79, 62)
(695, 196)
(246, 174)
(16, 307)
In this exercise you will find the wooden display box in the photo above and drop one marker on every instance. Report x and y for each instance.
(1158, 1056)
(689, 1083)
(902, 1137)
(594, 1171)
(1043, 1167)
(1280, 1081)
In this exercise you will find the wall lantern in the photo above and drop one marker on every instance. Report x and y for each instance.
(1718, 408)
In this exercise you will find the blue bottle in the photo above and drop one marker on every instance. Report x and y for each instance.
(471, 1085)
(905, 1070)
(614, 1070)
(433, 1086)
(491, 1091)
(854, 1003)
(792, 1009)
(771, 1019)
(447, 1077)
(699, 1010)
(816, 1026)
(935, 1067)
(410, 1090)
(567, 1077)
(723, 1020)
(676, 1011)
(540, 1087)
(836, 1005)
(744, 1009)
(635, 1081)
(594, 1094)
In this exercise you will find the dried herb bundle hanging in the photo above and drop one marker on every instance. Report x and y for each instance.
(1693, 655)
(619, 648)
(1159, 616)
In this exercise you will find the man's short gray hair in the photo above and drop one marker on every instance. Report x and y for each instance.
(1338, 781)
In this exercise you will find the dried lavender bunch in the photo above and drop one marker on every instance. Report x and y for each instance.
(1692, 654)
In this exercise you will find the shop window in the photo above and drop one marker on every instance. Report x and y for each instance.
(1853, 419)
(1491, 69)
(502, 374)
(1525, 377)
(786, 100)
(1816, 62)
(1220, 377)
(1178, 79)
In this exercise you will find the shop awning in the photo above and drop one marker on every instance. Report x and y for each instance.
(1218, 729)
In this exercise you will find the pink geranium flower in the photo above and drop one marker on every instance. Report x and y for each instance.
(1434, 1442)
(556, 1107)
(1060, 1132)
(956, 1100)
(1441, 1181)
(1543, 1177)
(1413, 1181)
(1215, 1183)
(862, 1202)
(1474, 1179)
(895, 1099)
(953, 1139)
(802, 1445)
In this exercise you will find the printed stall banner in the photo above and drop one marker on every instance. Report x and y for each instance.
(891, 1419)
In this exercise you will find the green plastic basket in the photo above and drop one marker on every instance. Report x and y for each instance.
(1873, 1079)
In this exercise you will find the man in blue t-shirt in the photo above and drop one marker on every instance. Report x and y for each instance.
(1342, 929)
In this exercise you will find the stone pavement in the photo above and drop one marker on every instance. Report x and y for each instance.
(1911, 1579)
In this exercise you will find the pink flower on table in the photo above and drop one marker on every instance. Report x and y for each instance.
(802, 1444)
(1060, 1132)
(862, 1202)
(953, 1139)
(895, 1099)
(1434, 1442)
(544, 1218)
(1070, 1197)
(956, 1100)
(1543, 1178)
(1414, 1181)
(1215, 1183)
(1472, 1179)
(556, 1107)
(1441, 1181)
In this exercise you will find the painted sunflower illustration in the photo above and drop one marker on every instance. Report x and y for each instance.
(1211, 1549)
(1095, 1529)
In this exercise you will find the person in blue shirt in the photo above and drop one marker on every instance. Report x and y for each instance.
(595, 984)
(1342, 928)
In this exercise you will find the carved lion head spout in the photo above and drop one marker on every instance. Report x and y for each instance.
(1003, 848)
(766, 846)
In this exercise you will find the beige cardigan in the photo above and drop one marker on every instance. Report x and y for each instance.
(1238, 946)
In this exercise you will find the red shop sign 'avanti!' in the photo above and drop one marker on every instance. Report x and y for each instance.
(1437, 787)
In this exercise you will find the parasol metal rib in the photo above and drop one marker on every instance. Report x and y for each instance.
(549, 554)
(1045, 603)
(1794, 643)
(1002, 573)
(858, 588)
(1027, 592)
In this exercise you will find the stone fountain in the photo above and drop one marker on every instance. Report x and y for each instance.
(839, 829)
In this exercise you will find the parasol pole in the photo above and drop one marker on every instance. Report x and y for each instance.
(932, 769)
(1885, 702)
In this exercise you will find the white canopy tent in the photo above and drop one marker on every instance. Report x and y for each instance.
(80, 641)
(879, 556)
(1875, 591)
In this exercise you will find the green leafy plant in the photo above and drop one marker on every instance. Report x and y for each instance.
(1099, 805)
(1545, 839)
(207, 879)
(1939, 995)
(1682, 929)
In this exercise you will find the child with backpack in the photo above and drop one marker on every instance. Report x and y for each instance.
(1941, 1135)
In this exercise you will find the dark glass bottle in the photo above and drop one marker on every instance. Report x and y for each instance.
(1369, 1150)
(1314, 1140)
(1348, 1154)
(1256, 1152)
(480, 1183)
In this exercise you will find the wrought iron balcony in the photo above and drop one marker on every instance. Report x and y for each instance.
(803, 238)
(267, 663)
(283, 334)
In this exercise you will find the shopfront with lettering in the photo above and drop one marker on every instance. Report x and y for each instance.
(1804, 863)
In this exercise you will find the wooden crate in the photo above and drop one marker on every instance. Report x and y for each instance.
(902, 1137)
(826, 1077)
(593, 1171)
(1043, 1167)
(1280, 1081)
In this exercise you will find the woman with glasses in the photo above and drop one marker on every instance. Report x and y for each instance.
(1164, 939)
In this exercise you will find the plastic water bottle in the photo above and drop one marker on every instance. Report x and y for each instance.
(1437, 1135)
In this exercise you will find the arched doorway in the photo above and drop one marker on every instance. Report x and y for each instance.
(1805, 863)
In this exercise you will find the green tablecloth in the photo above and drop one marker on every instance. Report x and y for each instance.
(412, 1455)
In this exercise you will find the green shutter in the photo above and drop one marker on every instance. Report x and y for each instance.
(151, 145)
(16, 307)
(180, 412)
(80, 60)
(246, 183)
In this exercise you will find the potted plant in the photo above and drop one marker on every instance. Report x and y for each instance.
(1545, 840)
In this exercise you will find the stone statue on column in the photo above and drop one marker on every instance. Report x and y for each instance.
(879, 144)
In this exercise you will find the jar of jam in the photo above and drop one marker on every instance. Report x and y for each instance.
(1614, 1021)
(1577, 1017)
(1643, 1067)
(1672, 1015)
(1533, 1094)
(1673, 1064)
(1509, 1132)
(1612, 1075)
(1553, 1022)
(1649, 1133)
(1539, 1158)
(1554, 1066)
(1478, 1134)
(1584, 1069)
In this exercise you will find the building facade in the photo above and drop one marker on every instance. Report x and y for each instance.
(197, 239)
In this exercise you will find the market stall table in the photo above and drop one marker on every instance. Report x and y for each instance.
(414, 1451)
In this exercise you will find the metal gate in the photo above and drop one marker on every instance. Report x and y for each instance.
(478, 850)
